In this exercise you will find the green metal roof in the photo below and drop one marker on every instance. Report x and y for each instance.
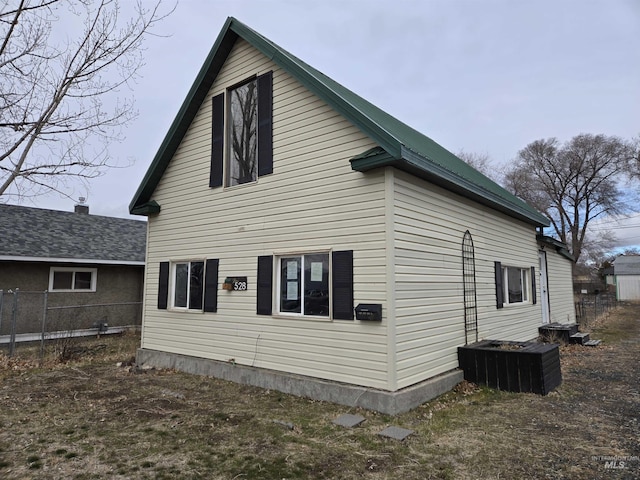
(400, 145)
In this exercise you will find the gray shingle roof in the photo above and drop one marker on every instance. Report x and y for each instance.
(627, 265)
(51, 234)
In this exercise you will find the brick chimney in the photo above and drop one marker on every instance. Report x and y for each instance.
(81, 207)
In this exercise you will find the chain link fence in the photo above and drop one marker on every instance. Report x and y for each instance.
(31, 320)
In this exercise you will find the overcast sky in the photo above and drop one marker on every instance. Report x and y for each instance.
(486, 76)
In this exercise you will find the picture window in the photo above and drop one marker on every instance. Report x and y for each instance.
(304, 285)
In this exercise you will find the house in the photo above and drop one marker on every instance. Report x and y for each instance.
(78, 259)
(626, 270)
(302, 239)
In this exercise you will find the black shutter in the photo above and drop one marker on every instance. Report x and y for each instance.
(499, 285)
(342, 264)
(534, 295)
(163, 285)
(264, 289)
(265, 124)
(211, 285)
(217, 140)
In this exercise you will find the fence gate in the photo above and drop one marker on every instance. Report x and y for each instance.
(469, 282)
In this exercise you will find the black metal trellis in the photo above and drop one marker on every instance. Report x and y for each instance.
(469, 281)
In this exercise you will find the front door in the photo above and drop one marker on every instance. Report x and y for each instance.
(544, 286)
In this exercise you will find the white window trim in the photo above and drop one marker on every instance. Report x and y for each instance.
(278, 268)
(172, 284)
(526, 285)
(94, 279)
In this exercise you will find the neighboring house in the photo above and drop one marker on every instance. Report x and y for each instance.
(279, 202)
(626, 269)
(79, 259)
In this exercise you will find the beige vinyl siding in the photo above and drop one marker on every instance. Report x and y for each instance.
(560, 283)
(313, 201)
(430, 223)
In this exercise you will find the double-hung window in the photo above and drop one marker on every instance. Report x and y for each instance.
(188, 285)
(516, 285)
(304, 285)
(72, 279)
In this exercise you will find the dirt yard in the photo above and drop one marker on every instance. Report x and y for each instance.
(91, 418)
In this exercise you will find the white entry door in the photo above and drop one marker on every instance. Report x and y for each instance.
(544, 286)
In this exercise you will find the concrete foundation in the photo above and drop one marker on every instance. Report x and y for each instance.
(391, 403)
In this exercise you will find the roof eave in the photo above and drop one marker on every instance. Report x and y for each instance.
(231, 30)
(413, 163)
(145, 209)
(318, 87)
(87, 261)
(560, 247)
(188, 110)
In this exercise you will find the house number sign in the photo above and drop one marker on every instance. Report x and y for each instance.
(235, 283)
(240, 284)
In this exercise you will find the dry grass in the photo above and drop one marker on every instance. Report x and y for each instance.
(89, 418)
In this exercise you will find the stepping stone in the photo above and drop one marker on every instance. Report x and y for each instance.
(282, 423)
(396, 433)
(349, 421)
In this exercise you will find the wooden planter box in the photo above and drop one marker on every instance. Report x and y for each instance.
(512, 366)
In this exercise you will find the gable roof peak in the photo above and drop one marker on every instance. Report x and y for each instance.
(405, 148)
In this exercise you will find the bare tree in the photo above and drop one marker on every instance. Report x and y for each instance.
(481, 162)
(572, 183)
(244, 121)
(63, 65)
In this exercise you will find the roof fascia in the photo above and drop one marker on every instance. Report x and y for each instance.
(298, 69)
(93, 261)
(550, 241)
(188, 110)
(560, 247)
(231, 30)
(412, 162)
(147, 208)
(565, 253)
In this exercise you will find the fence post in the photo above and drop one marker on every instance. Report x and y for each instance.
(14, 319)
(1, 308)
(44, 325)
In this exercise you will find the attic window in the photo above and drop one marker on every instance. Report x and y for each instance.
(243, 141)
(71, 279)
